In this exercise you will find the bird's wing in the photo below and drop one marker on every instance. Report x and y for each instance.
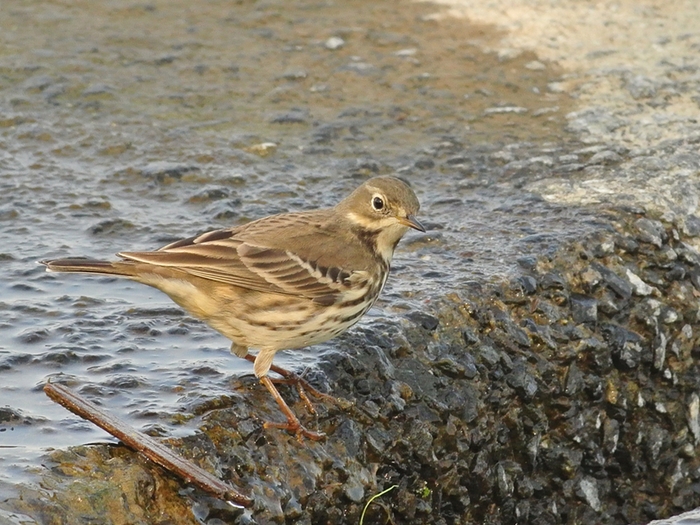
(242, 257)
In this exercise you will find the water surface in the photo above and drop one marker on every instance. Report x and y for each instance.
(127, 126)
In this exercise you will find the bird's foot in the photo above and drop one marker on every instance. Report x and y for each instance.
(302, 385)
(293, 425)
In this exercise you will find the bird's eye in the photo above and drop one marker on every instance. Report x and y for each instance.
(377, 203)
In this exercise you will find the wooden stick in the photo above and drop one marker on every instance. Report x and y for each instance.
(149, 447)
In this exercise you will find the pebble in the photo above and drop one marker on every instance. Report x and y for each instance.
(334, 42)
(616, 283)
(650, 231)
(639, 287)
(583, 309)
(605, 157)
(294, 116)
(691, 226)
(505, 109)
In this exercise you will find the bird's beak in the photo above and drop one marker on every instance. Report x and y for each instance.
(412, 222)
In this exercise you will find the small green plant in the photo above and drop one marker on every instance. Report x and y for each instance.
(424, 493)
(362, 517)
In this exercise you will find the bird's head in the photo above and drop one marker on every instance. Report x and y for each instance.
(382, 209)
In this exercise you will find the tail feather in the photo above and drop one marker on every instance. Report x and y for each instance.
(86, 266)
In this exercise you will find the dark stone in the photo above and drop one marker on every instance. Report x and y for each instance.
(605, 158)
(688, 254)
(427, 321)
(694, 275)
(574, 380)
(626, 346)
(10, 415)
(362, 387)
(210, 194)
(450, 367)
(691, 226)
(515, 333)
(457, 160)
(111, 227)
(522, 382)
(424, 164)
(529, 284)
(650, 231)
(528, 262)
(163, 173)
(470, 338)
(293, 116)
(598, 352)
(628, 244)
(616, 283)
(584, 309)
(32, 336)
(552, 280)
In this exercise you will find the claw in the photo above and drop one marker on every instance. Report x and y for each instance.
(302, 386)
(292, 425)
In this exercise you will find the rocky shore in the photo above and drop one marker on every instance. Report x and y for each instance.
(568, 394)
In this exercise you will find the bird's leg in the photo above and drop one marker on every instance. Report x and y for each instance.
(292, 425)
(302, 386)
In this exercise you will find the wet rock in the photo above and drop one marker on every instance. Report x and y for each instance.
(427, 321)
(38, 83)
(552, 280)
(603, 248)
(694, 278)
(523, 382)
(616, 283)
(165, 173)
(688, 253)
(97, 89)
(209, 194)
(424, 164)
(294, 116)
(650, 231)
(574, 380)
(690, 226)
(626, 346)
(605, 158)
(549, 386)
(470, 338)
(626, 243)
(583, 309)
(31, 336)
(111, 227)
(589, 493)
(9, 415)
(639, 287)
(528, 262)
(528, 283)
(641, 87)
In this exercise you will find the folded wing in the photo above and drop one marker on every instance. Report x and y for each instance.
(223, 257)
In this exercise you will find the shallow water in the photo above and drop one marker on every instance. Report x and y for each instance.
(124, 127)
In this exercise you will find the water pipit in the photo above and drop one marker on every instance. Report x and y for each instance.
(281, 282)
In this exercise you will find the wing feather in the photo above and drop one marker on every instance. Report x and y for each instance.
(225, 256)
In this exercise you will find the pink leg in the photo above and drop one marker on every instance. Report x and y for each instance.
(292, 425)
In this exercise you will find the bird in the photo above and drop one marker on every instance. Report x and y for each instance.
(284, 281)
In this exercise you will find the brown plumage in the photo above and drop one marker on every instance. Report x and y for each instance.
(281, 282)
